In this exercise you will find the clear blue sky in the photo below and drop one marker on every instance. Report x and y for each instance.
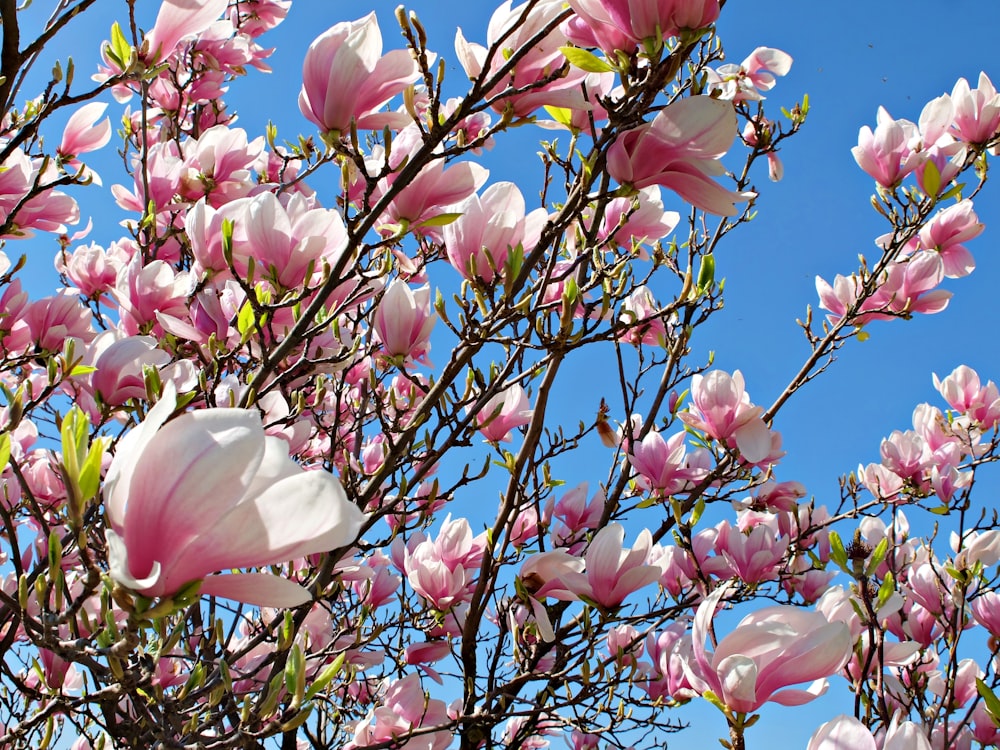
(850, 57)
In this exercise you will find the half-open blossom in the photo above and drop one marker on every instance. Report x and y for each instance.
(886, 154)
(502, 413)
(346, 78)
(721, 408)
(403, 321)
(680, 149)
(769, 650)
(478, 241)
(977, 111)
(209, 492)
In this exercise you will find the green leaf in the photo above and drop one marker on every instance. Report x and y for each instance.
(954, 192)
(326, 676)
(562, 115)
(440, 220)
(82, 370)
(119, 50)
(699, 508)
(245, 322)
(586, 60)
(932, 179)
(837, 552)
(4, 450)
(90, 471)
(706, 273)
(887, 589)
(878, 555)
(990, 699)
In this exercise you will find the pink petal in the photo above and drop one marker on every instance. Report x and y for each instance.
(261, 589)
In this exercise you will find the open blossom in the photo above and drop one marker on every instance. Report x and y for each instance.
(535, 63)
(946, 232)
(681, 150)
(346, 78)
(662, 464)
(208, 492)
(630, 222)
(623, 25)
(843, 732)
(435, 190)
(404, 708)
(612, 571)
(756, 73)
(767, 652)
(176, 20)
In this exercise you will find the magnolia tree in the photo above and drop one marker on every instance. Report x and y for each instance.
(242, 508)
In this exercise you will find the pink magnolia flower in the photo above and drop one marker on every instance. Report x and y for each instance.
(965, 393)
(403, 709)
(576, 514)
(92, 269)
(756, 73)
(217, 165)
(721, 408)
(257, 16)
(641, 320)
(208, 492)
(502, 413)
(977, 111)
(346, 78)
(886, 155)
(613, 572)
(754, 556)
(946, 232)
(624, 24)
(477, 243)
(444, 571)
(285, 241)
(768, 651)
(847, 733)
(681, 150)
(436, 189)
(661, 463)
(519, 90)
(120, 362)
(84, 134)
(178, 19)
(840, 733)
(52, 320)
(403, 321)
(984, 728)
(640, 219)
(143, 291)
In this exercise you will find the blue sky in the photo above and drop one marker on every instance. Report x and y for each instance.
(850, 57)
